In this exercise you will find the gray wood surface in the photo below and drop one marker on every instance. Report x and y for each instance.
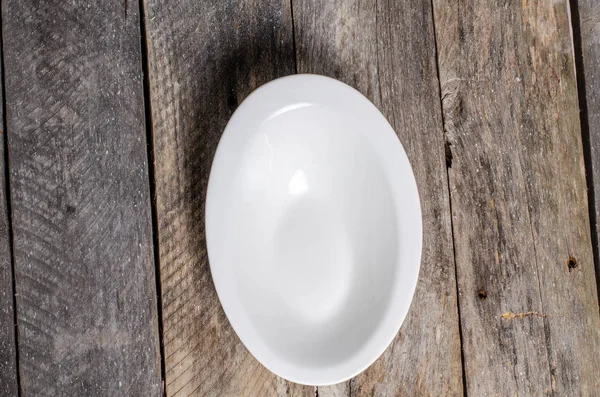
(527, 294)
(586, 24)
(8, 360)
(495, 142)
(386, 50)
(85, 287)
(204, 59)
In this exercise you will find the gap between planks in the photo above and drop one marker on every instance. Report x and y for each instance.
(448, 154)
(577, 42)
(152, 186)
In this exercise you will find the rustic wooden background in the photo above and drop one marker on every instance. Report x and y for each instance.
(111, 113)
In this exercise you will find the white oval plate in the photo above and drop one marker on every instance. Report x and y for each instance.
(313, 229)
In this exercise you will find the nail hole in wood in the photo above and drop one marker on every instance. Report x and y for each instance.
(448, 151)
(482, 294)
(232, 101)
(572, 263)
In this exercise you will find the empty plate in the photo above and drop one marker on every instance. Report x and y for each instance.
(313, 229)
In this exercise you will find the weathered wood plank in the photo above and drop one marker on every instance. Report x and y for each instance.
(586, 23)
(386, 50)
(204, 58)
(85, 287)
(528, 301)
(8, 356)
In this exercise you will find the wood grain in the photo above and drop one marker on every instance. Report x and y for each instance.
(204, 59)
(586, 24)
(527, 295)
(8, 360)
(85, 287)
(386, 50)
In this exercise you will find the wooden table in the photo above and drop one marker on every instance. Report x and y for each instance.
(112, 113)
